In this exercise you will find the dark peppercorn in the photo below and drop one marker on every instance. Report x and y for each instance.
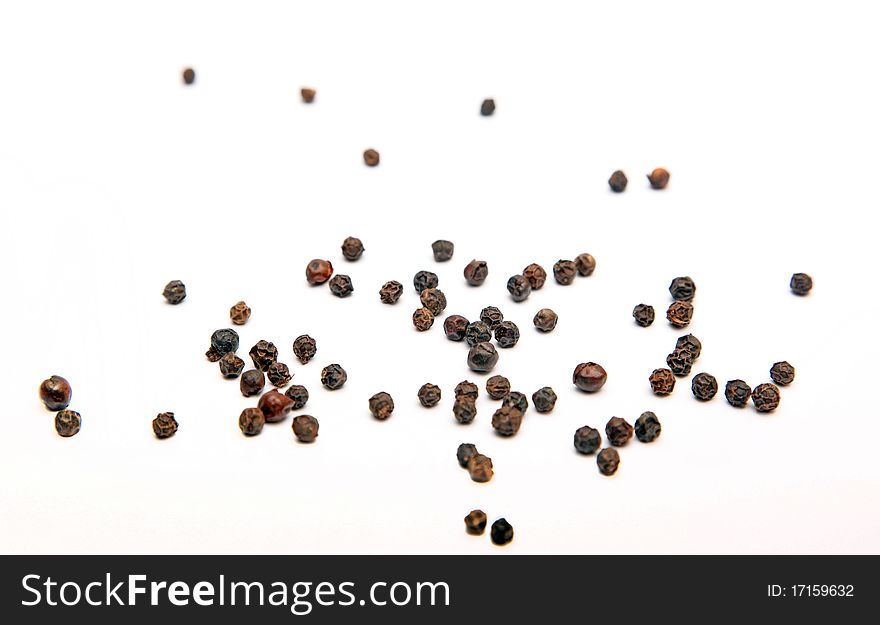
(251, 421)
(455, 327)
(263, 354)
(690, 343)
(305, 428)
(491, 316)
(680, 313)
(587, 440)
(340, 285)
(465, 452)
(371, 157)
(164, 425)
(507, 334)
(425, 280)
(475, 522)
(647, 427)
(589, 377)
(617, 182)
(275, 406)
(519, 288)
(464, 409)
(308, 95)
(501, 532)
(680, 362)
(381, 405)
(305, 348)
(507, 420)
(662, 381)
(240, 313)
(231, 365)
(333, 377)
(608, 461)
(477, 332)
(299, 395)
(318, 271)
(222, 342)
(476, 272)
(704, 386)
(765, 397)
(516, 400)
(443, 250)
(429, 395)
(737, 393)
(497, 387)
(434, 300)
(252, 382)
(175, 292)
(545, 320)
(467, 389)
(422, 319)
(487, 107)
(480, 468)
(68, 422)
(682, 289)
(482, 357)
(618, 431)
(644, 315)
(658, 178)
(390, 292)
(801, 283)
(544, 399)
(278, 374)
(782, 373)
(565, 271)
(352, 248)
(536, 276)
(585, 264)
(55, 393)
(189, 76)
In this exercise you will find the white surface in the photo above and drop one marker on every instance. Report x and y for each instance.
(115, 178)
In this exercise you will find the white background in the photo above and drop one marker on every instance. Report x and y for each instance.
(115, 179)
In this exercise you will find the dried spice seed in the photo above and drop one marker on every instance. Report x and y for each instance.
(680, 362)
(501, 532)
(231, 365)
(608, 460)
(477, 332)
(390, 292)
(305, 348)
(544, 399)
(189, 76)
(371, 157)
(455, 327)
(475, 522)
(251, 421)
(55, 393)
(429, 395)
(164, 425)
(618, 431)
(507, 334)
(318, 271)
(517, 401)
(275, 406)
(565, 271)
(240, 313)
(475, 272)
(482, 357)
(801, 283)
(782, 373)
(545, 320)
(480, 468)
(658, 178)
(587, 440)
(536, 276)
(507, 420)
(305, 428)
(464, 409)
(585, 264)
(352, 248)
(589, 377)
(434, 300)
(308, 95)
(340, 285)
(175, 292)
(737, 393)
(765, 397)
(67, 423)
(467, 389)
(222, 342)
(422, 319)
(691, 344)
(333, 377)
(680, 313)
(519, 288)
(263, 354)
(299, 395)
(252, 382)
(704, 386)
(278, 374)
(442, 250)
(617, 182)
(662, 381)
(491, 316)
(683, 289)
(497, 387)
(644, 315)
(647, 427)
(425, 280)
(487, 107)
(465, 452)
(381, 405)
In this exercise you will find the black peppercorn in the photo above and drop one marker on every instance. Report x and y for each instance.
(617, 182)
(475, 522)
(608, 460)
(278, 374)
(318, 271)
(443, 250)
(464, 409)
(465, 452)
(691, 344)
(333, 377)
(251, 421)
(516, 400)
(371, 157)
(390, 292)
(467, 389)
(536, 275)
(497, 387)
(67, 423)
(565, 271)
(519, 288)
(425, 280)
(782, 373)
(275, 406)
(381, 405)
(305, 428)
(304, 348)
(682, 289)
(680, 362)
(55, 393)
(240, 313)
(737, 393)
(501, 532)
(352, 248)
(477, 332)
(644, 315)
(429, 395)
(658, 178)
(545, 320)
(175, 292)
(455, 327)
(507, 420)
(765, 397)
(308, 95)
(618, 431)
(480, 468)
(506, 334)
(487, 107)
(164, 425)
(482, 357)
(434, 300)
(263, 354)
(544, 399)
(299, 395)
(662, 381)
(647, 427)
(422, 319)
(475, 272)
(340, 285)
(491, 316)
(801, 283)
(222, 342)
(704, 386)
(585, 264)
(680, 313)
(231, 365)
(587, 440)
(189, 76)
(589, 377)
(252, 382)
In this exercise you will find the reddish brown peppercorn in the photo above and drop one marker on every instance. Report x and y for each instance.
(617, 182)
(305, 428)
(240, 313)
(658, 178)
(318, 271)
(189, 76)
(585, 264)
(275, 406)
(371, 157)
(475, 272)
(662, 381)
(305, 348)
(507, 420)
(618, 431)
(278, 374)
(497, 387)
(680, 313)
(564, 271)
(390, 292)
(231, 365)
(352, 248)
(381, 405)
(536, 276)
(467, 389)
(455, 327)
(251, 421)
(252, 382)
(545, 320)
(434, 300)
(429, 395)
(589, 377)
(475, 522)
(480, 468)
(422, 319)
(308, 95)
(55, 393)
(165, 425)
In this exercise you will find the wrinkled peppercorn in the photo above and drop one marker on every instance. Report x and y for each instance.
(333, 377)
(390, 292)
(658, 178)
(585, 264)
(536, 276)
(617, 182)
(189, 76)
(516, 400)
(467, 389)
(465, 452)
(491, 316)
(425, 280)
(308, 95)
(737, 393)
(252, 382)
(251, 421)
(371, 157)
(506, 334)
(340, 285)
(429, 395)
(501, 532)
(782, 373)
(482, 357)
(275, 406)
(475, 522)
(682, 289)
(487, 107)
(801, 283)
(464, 409)
(704, 386)
(587, 440)
(608, 460)
(589, 377)
(352, 248)
(618, 431)
(318, 271)
(507, 420)
(545, 320)
(164, 425)
(765, 397)
(680, 362)
(477, 332)
(422, 319)
(662, 381)
(55, 393)
(497, 387)
(480, 468)
(691, 344)
(68, 422)
(443, 250)
(222, 342)
(381, 405)
(231, 365)
(475, 272)
(680, 313)
(305, 428)
(175, 292)
(240, 313)
(565, 271)
(647, 427)
(305, 348)
(644, 315)
(278, 374)
(434, 300)
(519, 288)
(299, 395)
(455, 327)
(544, 399)
(263, 354)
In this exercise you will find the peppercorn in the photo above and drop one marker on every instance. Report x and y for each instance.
(308, 95)
(680, 362)
(390, 292)
(545, 320)
(467, 389)
(662, 381)
(278, 374)
(175, 292)
(425, 280)
(801, 283)
(464, 409)
(429, 395)
(519, 288)
(299, 395)
(480, 468)
(680, 313)
(371, 157)
(475, 522)
(517, 401)
(658, 178)
(506, 334)
(564, 271)
(536, 276)
(67, 422)
(318, 271)
(497, 387)
(644, 315)
(618, 431)
(352, 248)
(240, 313)
(222, 342)
(252, 382)
(491, 316)
(340, 285)
(477, 332)
(333, 377)
(422, 319)
(501, 532)
(465, 452)
(482, 357)
(164, 425)
(608, 460)
(647, 427)
(231, 365)
(434, 300)
(544, 399)
(475, 272)
(251, 421)
(589, 377)
(617, 182)
(442, 250)
(189, 76)
(305, 428)
(55, 393)
(507, 420)
(305, 348)
(455, 327)
(585, 264)
(765, 397)
(263, 354)
(275, 406)
(691, 344)
(704, 386)
(782, 373)
(587, 440)
(737, 393)
(683, 289)
(381, 405)
(487, 107)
